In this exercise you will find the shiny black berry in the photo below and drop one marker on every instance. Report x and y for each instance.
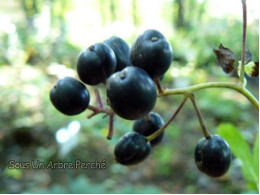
(131, 93)
(152, 52)
(148, 125)
(213, 156)
(69, 96)
(131, 148)
(121, 50)
(96, 63)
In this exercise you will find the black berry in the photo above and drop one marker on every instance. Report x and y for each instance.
(213, 156)
(152, 52)
(121, 50)
(147, 127)
(131, 148)
(96, 63)
(69, 96)
(131, 93)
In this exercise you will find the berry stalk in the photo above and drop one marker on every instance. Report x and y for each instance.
(98, 99)
(158, 84)
(159, 131)
(97, 110)
(203, 126)
(111, 126)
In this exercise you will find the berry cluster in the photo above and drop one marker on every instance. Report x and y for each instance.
(130, 76)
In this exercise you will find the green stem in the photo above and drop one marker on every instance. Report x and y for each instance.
(235, 86)
(250, 97)
(202, 124)
(243, 42)
(159, 131)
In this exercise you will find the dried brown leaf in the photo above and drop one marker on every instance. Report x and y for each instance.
(225, 58)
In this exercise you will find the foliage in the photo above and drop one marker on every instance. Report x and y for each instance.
(241, 149)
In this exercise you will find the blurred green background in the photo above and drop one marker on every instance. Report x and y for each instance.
(39, 43)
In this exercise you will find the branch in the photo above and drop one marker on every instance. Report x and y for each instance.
(202, 124)
(235, 86)
(159, 131)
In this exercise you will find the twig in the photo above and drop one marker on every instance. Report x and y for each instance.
(158, 84)
(97, 110)
(98, 98)
(159, 131)
(111, 126)
(235, 86)
(202, 124)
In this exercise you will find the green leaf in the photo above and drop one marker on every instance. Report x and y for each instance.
(240, 149)
(256, 155)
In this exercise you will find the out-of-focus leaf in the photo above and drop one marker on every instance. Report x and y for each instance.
(13, 173)
(165, 154)
(225, 58)
(256, 154)
(240, 149)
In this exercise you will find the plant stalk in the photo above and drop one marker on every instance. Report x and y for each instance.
(159, 131)
(98, 99)
(111, 126)
(97, 110)
(235, 86)
(158, 84)
(242, 70)
(202, 124)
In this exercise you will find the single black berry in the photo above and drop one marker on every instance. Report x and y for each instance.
(70, 96)
(96, 63)
(121, 50)
(148, 125)
(131, 93)
(213, 156)
(152, 52)
(131, 148)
